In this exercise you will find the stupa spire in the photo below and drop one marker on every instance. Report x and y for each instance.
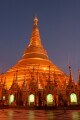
(70, 76)
(79, 77)
(35, 48)
(35, 21)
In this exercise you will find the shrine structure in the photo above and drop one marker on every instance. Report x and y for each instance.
(35, 80)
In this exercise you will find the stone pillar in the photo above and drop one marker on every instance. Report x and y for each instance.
(57, 100)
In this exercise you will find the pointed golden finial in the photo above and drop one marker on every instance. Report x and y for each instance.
(70, 72)
(79, 76)
(70, 69)
(35, 21)
(79, 70)
(79, 73)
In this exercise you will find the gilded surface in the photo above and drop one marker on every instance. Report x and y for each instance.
(35, 57)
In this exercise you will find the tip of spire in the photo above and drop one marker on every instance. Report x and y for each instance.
(79, 70)
(36, 21)
(70, 68)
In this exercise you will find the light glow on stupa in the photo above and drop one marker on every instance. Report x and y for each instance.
(34, 64)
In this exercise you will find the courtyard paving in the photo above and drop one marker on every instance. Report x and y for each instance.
(14, 114)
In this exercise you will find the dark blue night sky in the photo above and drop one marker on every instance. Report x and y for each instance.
(59, 25)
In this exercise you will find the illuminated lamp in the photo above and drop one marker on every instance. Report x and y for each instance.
(4, 97)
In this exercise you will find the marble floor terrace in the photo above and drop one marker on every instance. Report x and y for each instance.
(15, 114)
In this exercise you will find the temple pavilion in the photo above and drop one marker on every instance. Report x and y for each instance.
(35, 80)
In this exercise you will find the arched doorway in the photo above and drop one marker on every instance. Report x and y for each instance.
(50, 99)
(11, 99)
(31, 100)
(73, 98)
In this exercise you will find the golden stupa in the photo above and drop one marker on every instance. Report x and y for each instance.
(35, 64)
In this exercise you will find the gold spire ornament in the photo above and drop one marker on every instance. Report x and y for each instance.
(36, 21)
